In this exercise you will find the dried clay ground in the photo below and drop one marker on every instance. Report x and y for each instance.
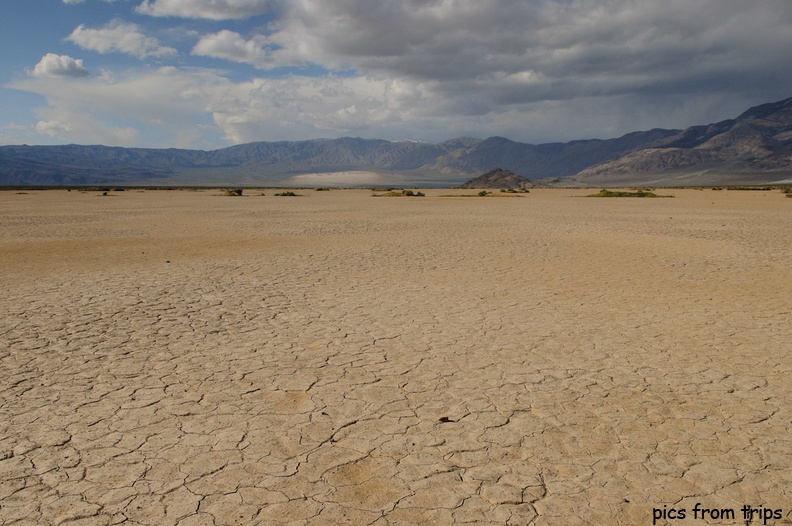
(178, 357)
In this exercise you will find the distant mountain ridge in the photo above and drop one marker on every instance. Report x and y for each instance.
(756, 147)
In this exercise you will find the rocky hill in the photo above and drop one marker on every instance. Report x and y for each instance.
(498, 178)
(756, 147)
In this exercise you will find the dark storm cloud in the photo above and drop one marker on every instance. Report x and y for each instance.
(552, 49)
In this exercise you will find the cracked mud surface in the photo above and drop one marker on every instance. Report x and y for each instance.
(179, 358)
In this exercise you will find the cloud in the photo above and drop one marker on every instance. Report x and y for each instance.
(89, 130)
(597, 46)
(538, 71)
(52, 65)
(11, 134)
(487, 55)
(164, 106)
(302, 107)
(232, 46)
(209, 9)
(119, 37)
(197, 108)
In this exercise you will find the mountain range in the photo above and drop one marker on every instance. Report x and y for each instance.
(753, 148)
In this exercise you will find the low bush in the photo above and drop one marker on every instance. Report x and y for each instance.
(640, 193)
(402, 193)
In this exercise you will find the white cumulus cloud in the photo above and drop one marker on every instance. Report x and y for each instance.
(119, 37)
(164, 106)
(52, 65)
(209, 9)
(88, 129)
(259, 50)
(232, 46)
(302, 107)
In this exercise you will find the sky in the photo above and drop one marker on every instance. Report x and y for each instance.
(207, 74)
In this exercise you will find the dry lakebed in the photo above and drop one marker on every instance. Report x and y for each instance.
(187, 358)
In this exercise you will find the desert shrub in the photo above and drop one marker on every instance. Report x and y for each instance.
(483, 193)
(287, 194)
(640, 193)
(233, 192)
(322, 189)
(402, 193)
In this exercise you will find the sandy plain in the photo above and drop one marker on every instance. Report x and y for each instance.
(181, 358)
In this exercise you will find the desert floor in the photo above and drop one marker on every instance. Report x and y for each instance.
(179, 357)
